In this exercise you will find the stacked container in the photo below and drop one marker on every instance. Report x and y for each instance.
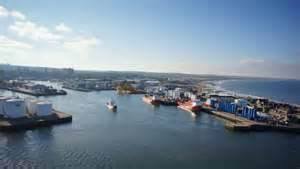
(249, 113)
(228, 107)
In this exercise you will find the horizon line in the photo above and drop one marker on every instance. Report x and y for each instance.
(157, 72)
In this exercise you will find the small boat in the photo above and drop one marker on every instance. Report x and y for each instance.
(111, 105)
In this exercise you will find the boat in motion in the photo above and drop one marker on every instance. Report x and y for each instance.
(111, 105)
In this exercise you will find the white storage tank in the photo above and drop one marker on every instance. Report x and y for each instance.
(43, 109)
(14, 108)
(31, 106)
(2, 101)
(39, 108)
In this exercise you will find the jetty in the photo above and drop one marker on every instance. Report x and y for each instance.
(76, 88)
(30, 122)
(238, 123)
(30, 88)
(34, 92)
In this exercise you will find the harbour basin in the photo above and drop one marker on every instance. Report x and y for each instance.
(139, 135)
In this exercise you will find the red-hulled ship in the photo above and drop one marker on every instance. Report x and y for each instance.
(193, 106)
(154, 100)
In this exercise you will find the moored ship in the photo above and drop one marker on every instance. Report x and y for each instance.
(154, 100)
(193, 106)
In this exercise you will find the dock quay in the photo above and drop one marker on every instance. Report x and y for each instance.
(77, 89)
(237, 123)
(34, 93)
(30, 88)
(30, 122)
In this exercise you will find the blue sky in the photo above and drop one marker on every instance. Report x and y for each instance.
(235, 37)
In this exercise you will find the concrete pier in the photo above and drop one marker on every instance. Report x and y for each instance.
(30, 122)
(32, 92)
(237, 123)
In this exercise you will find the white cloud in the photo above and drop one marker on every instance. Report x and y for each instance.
(59, 42)
(3, 12)
(82, 43)
(251, 61)
(17, 15)
(63, 28)
(10, 43)
(33, 31)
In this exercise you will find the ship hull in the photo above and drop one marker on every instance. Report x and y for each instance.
(111, 107)
(149, 100)
(188, 106)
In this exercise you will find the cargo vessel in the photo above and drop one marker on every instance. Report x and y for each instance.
(193, 106)
(154, 100)
(169, 102)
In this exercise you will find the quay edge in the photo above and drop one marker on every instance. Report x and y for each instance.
(10, 125)
(237, 123)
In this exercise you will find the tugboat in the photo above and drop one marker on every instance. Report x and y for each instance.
(111, 105)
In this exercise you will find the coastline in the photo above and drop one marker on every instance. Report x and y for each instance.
(216, 85)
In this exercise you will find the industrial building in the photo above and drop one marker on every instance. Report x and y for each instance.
(239, 107)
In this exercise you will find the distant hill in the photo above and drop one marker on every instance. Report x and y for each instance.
(8, 71)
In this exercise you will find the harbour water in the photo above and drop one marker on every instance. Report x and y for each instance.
(140, 136)
(280, 90)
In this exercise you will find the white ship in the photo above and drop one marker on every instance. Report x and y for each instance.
(111, 105)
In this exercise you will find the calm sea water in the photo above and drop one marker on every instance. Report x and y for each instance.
(280, 90)
(139, 136)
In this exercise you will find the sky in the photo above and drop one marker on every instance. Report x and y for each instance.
(232, 37)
